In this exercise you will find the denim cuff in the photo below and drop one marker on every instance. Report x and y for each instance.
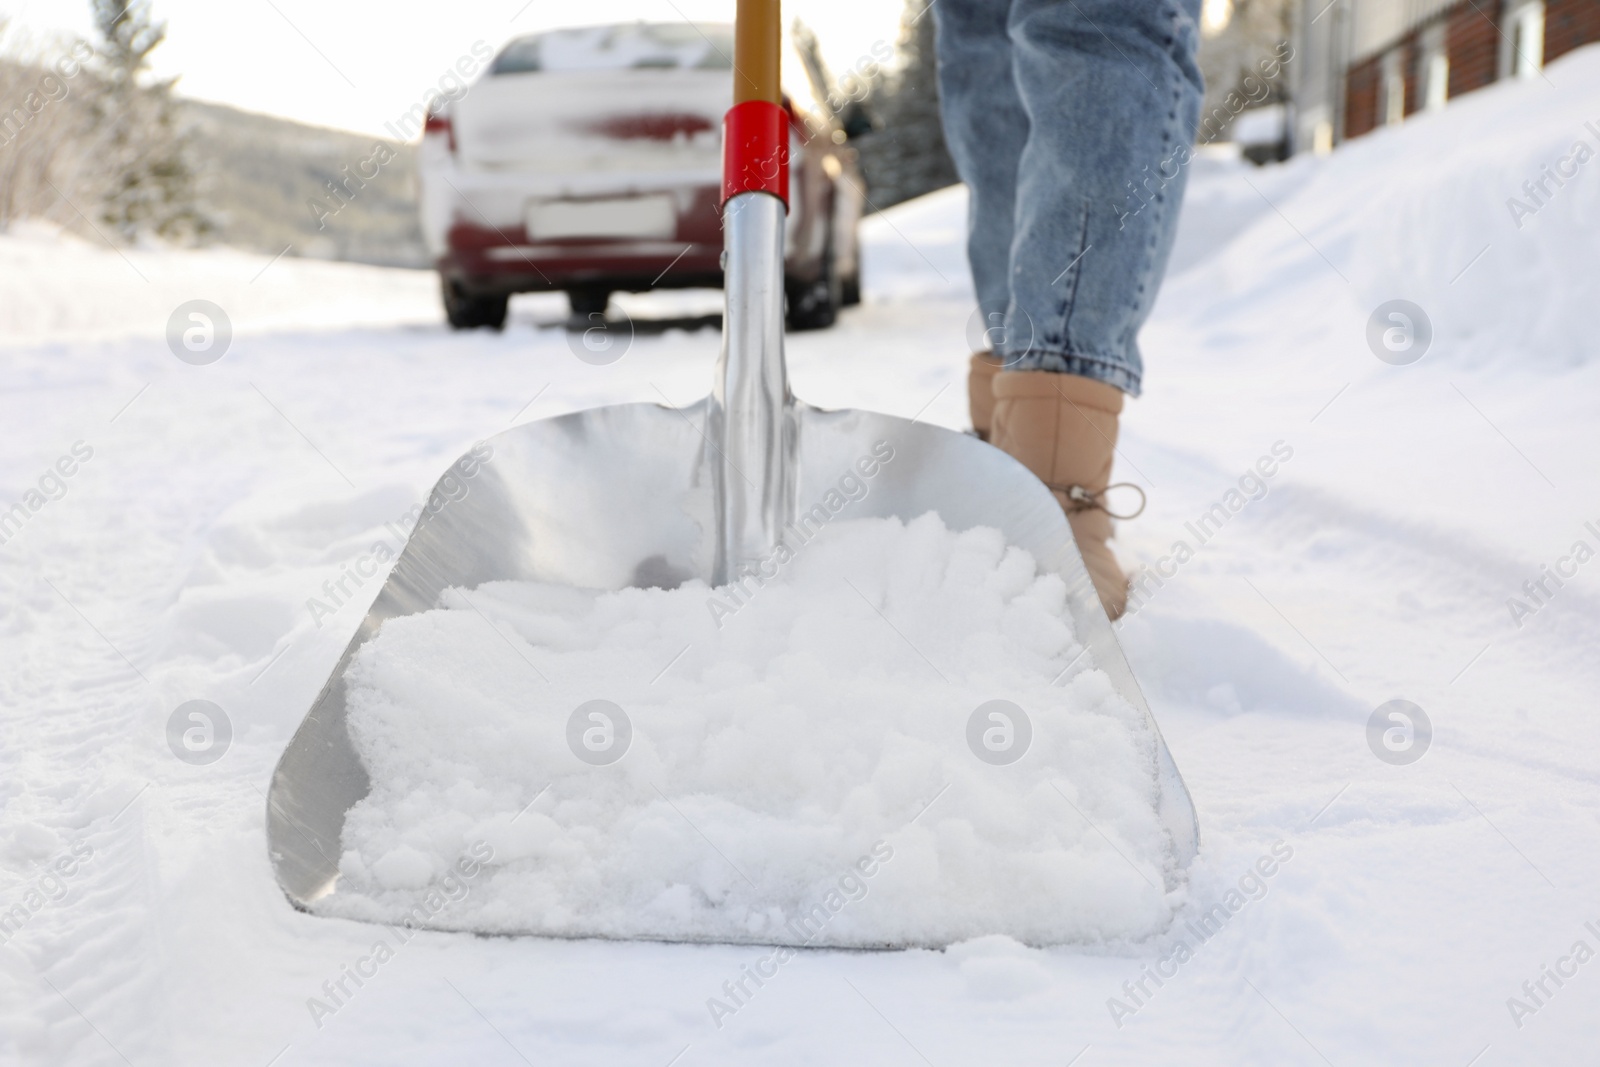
(1111, 371)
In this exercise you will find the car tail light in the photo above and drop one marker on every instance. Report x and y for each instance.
(436, 124)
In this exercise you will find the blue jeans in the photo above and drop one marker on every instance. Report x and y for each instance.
(1072, 123)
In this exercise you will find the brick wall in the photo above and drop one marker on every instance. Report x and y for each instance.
(1362, 83)
(1569, 24)
(1472, 38)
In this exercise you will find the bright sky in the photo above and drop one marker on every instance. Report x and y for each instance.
(358, 65)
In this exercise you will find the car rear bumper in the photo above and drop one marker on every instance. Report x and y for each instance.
(481, 261)
(479, 224)
(485, 261)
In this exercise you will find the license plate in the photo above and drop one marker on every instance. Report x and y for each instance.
(634, 216)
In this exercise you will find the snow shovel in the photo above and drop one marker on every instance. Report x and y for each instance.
(650, 496)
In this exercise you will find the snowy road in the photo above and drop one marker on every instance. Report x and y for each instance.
(1381, 912)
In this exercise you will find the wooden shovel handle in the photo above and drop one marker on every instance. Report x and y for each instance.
(757, 36)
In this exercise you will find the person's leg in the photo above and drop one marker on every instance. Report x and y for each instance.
(1112, 93)
(985, 129)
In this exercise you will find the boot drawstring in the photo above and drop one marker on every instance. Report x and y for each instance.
(1084, 500)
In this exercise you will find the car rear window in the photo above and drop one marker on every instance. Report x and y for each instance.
(634, 46)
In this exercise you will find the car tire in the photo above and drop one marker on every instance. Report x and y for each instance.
(815, 305)
(466, 311)
(586, 302)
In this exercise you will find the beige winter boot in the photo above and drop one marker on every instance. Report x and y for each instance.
(980, 401)
(1063, 428)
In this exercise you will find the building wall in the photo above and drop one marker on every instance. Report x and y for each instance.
(1378, 23)
(1337, 78)
(1472, 39)
(1569, 24)
(1474, 42)
(1363, 87)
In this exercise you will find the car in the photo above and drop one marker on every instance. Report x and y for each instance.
(590, 161)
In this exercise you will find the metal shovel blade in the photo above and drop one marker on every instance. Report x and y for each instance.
(646, 495)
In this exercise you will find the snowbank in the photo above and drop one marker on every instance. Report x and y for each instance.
(59, 287)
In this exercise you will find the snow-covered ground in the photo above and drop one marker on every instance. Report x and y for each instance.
(1381, 912)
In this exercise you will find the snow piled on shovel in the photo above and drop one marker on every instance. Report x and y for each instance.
(796, 765)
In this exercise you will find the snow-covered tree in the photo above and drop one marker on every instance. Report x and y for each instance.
(1240, 44)
(906, 155)
(45, 130)
(150, 185)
